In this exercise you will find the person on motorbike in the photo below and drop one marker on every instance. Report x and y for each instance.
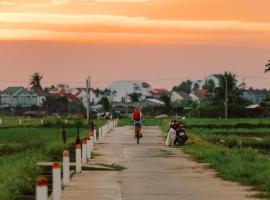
(138, 119)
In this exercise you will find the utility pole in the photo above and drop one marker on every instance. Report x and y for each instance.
(88, 107)
(226, 95)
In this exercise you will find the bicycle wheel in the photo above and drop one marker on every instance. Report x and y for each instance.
(138, 129)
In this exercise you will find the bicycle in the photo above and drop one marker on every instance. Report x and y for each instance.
(138, 133)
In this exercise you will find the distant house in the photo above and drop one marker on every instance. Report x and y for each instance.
(198, 96)
(81, 93)
(180, 95)
(13, 97)
(254, 95)
(71, 98)
(124, 88)
(156, 93)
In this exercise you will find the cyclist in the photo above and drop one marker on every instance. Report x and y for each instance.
(138, 119)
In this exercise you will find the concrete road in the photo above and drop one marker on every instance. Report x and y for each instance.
(153, 172)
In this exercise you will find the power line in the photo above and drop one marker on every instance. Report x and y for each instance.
(150, 80)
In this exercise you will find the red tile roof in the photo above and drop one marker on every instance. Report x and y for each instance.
(159, 91)
(70, 97)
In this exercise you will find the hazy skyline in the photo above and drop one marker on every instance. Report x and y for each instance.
(66, 40)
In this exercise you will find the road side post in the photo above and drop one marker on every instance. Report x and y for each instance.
(56, 181)
(42, 188)
(78, 158)
(88, 147)
(84, 153)
(95, 135)
(66, 168)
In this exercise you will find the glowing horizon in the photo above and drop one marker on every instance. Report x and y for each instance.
(55, 20)
(133, 39)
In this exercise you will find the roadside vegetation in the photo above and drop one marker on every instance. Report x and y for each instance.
(238, 154)
(22, 147)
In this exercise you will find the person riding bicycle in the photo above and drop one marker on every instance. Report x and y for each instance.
(138, 119)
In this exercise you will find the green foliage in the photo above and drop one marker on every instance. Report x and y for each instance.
(196, 87)
(105, 103)
(56, 104)
(185, 86)
(210, 86)
(21, 148)
(135, 97)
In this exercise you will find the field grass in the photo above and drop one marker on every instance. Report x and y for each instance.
(238, 157)
(22, 147)
(245, 165)
(233, 151)
(13, 122)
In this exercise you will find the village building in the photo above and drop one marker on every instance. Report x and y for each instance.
(156, 93)
(179, 96)
(122, 90)
(13, 97)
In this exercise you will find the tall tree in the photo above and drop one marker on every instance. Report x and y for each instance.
(135, 97)
(234, 93)
(209, 85)
(267, 66)
(35, 82)
(196, 87)
(185, 86)
(166, 100)
(105, 103)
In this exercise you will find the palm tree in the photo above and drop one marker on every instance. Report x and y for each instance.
(35, 82)
(267, 66)
(234, 93)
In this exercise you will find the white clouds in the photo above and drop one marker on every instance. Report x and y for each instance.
(132, 22)
(108, 28)
(60, 2)
(50, 3)
(121, 1)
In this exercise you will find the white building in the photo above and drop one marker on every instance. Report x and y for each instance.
(124, 88)
(81, 94)
(214, 77)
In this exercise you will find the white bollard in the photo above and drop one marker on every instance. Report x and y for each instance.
(105, 129)
(41, 122)
(88, 148)
(92, 140)
(95, 135)
(78, 158)
(56, 181)
(66, 168)
(42, 188)
(0, 121)
(66, 121)
(102, 131)
(20, 122)
(99, 133)
(91, 144)
(84, 153)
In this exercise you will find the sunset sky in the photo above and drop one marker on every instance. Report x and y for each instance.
(160, 41)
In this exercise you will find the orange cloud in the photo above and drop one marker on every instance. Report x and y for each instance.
(123, 21)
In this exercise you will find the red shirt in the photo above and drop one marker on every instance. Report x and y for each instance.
(137, 116)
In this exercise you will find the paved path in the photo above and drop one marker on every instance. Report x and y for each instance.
(153, 172)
